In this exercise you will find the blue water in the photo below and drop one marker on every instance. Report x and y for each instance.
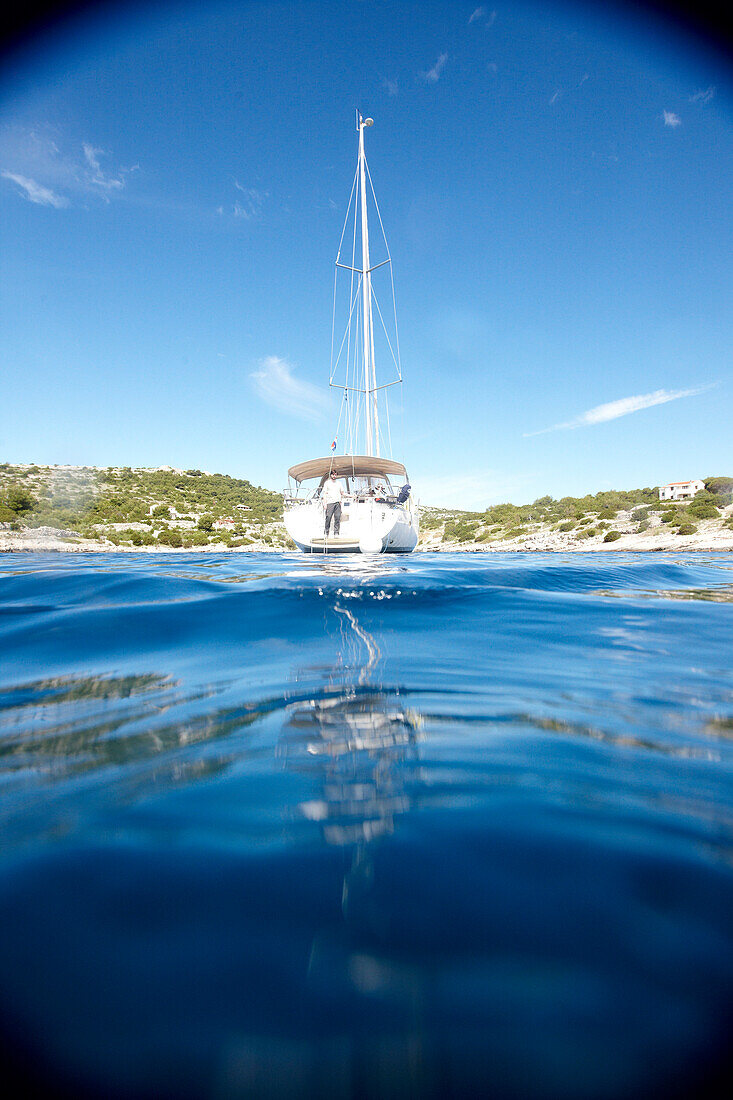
(443, 825)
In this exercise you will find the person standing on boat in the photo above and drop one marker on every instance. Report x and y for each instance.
(331, 495)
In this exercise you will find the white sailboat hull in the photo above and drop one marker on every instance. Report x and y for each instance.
(367, 527)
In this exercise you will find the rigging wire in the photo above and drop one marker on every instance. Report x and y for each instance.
(335, 273)
(350, 412)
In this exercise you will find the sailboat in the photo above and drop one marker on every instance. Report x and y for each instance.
(370, 489)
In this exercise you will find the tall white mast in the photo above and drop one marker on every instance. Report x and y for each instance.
(370, 381)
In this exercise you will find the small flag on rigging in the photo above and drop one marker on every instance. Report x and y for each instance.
(333, 445)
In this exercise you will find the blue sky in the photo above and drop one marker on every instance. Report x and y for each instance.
(555, 183)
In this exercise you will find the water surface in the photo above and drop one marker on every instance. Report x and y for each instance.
(441, 825)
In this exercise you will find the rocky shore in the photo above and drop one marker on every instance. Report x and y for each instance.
(711, 535)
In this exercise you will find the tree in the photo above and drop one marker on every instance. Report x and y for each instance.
(206, 523)
(19, 500)
(719, 484)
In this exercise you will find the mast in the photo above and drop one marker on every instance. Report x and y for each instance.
(370, 381)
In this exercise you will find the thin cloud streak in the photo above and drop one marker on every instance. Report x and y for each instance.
(35, 192)
(98, 178)
(671, 119)
(275, 385)
(612, 410)
(480, 13)
(432, 76)
(703, 96)
(54, 176)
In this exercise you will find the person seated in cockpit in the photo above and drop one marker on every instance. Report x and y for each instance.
(404, 493)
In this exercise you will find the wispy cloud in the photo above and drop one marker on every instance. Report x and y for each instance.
(275, 384)
(53, 172)
(612, 410)
(96, 176)
(249, 203)
(559, 91)
(671, 119)
(703, 96)
(480, 14)
(34, 191)
(390, 86)
(432, 76)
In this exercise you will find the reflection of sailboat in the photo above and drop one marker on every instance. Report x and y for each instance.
(360, 745)
(376, 515)
(360, 741)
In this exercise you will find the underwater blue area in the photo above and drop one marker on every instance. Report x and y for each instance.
(440, 825)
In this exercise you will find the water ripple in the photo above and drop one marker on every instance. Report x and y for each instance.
(443, 825)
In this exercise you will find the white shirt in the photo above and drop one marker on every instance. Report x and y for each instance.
(332, 492)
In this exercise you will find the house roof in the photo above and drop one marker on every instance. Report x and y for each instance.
(345, 466)
(671, 484)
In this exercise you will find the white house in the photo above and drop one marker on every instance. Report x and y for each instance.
(680, 490)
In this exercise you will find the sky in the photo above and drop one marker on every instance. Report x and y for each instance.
(555, 186)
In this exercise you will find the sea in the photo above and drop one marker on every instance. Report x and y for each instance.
(405, 826)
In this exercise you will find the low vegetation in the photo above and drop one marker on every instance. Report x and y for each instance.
(605, 517)
(190, 508)
(141, 507)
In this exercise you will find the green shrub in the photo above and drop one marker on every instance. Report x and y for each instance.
(612, 536)
(687, 529)
(568, 526)
(608, 513)
(139, 538)
(6, 514)
(642, 526)
(171, 537)
(588, 533)
(206, 523)
(162, 511)
(703, 510)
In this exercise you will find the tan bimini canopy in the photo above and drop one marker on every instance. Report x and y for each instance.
(345, 466)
